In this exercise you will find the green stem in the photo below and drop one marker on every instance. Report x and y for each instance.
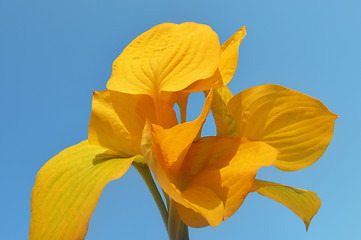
(177, 230)
(167, 201)
(143, 169)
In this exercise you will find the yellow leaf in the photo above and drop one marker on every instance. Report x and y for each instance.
(302, 202)
(227, 65)
(225, 123)
(106, 129)
(67, 189)
(229, 57)
(168, 57)
(299, 126)
(117, 120)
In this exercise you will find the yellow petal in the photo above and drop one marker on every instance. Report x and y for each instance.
(106, 128)
(214, 81)
(229, 57)
(225, 123)
(168, 182)
(226, 166)
(302, 202)
(227, 66)
(67, 189)
(117, 120)
(168, 57)
(174, 142)
(299, 126)
(191, 218)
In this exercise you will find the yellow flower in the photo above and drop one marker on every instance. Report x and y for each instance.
(206, 178)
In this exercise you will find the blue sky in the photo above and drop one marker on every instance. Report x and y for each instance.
(53, 54)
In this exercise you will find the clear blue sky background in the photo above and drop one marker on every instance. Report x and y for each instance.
(53, 54)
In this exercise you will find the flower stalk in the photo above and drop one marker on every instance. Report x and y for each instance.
(144, 171)
(177, 230)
